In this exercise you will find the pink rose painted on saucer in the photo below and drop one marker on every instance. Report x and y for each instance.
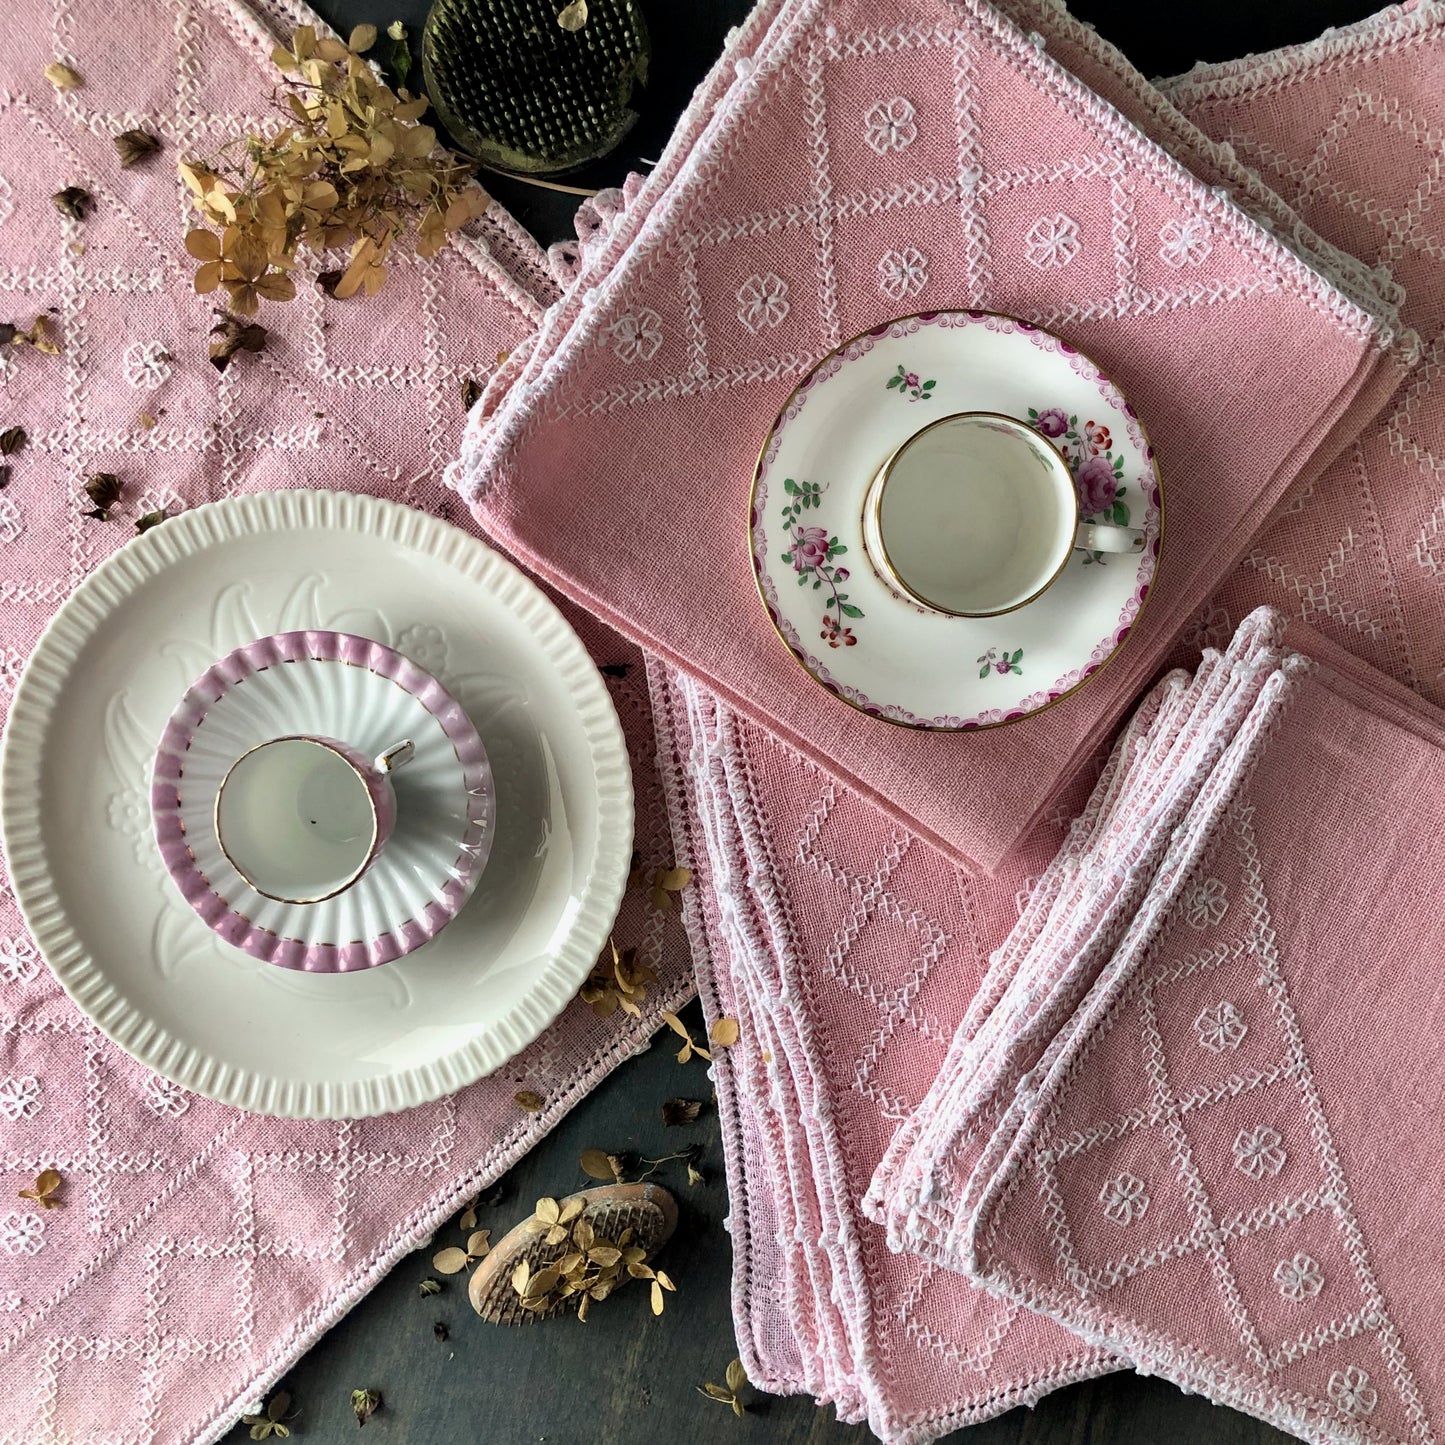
(1097, 486)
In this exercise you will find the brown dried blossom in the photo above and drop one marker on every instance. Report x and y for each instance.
(471, 392)
(11, 440)
(455, 1259)
(731, 1393)
(590, 1267)
(681, 1111)
(690, 1046)
(352, 167)
(43, 1191)
(364, 1404)
(150, 519)
(230, 334)
(134, 146)
(62, 77)
(104, 490)
(661, 882)
(37, 335)
(617, 981)
(73, 201)
(529, 1101)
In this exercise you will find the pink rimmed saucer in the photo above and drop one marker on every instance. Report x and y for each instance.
(340, 685)
(859, 636)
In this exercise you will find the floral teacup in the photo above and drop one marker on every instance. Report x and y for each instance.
(976, 514)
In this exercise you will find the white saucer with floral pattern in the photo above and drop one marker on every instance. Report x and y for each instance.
(869, 643)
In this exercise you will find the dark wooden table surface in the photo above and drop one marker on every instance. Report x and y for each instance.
(626, 1375)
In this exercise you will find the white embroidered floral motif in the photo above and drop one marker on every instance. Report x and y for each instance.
(19, 961)
(1206, 903)
(1124, 1199)
(22, 1233)
(165, 1098)
(890, 126)
(20, 1097)
(12, 524)
(1352, 1391)
(1184, 242)
(1257, 1152)
(1220, 1028)
(637, 335)
(11, 665)
(147, 365)
(1299, 1278)
(425, 645)
(902, 273)
(762, 301)
(1053, 241)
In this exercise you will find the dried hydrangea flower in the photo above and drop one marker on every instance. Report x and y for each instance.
(73, 201)
(134, 146)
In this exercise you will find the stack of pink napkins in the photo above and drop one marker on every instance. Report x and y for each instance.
(617, 461)
(856, 955)
(1195, 1121)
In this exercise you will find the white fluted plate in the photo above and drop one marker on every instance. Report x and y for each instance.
(74, 785)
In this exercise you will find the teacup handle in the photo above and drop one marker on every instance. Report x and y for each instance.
(398, 755)
(1098, 537)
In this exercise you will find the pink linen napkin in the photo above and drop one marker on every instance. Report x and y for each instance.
(1230, 1101)
(599, 441)
(199, 1251)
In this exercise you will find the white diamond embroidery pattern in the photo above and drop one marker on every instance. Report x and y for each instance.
(762, 301)
(1053, 241)
(637, 335)
(20, 1097)
(890, 125)
(7, 202)
(12, 524)
(19, 960)
(1352, 1391)
(166, 1099)
(1258, 1152)
(1184, 242)
(1299, 1278)
(1220, 1028)
(147, 365)
(1206, 904)
(902, 273)
(1125, 1198)
(22, 1233)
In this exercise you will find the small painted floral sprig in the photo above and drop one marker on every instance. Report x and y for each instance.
(811, 557)
(1003, 661)
(908, 384)
(1098, 472)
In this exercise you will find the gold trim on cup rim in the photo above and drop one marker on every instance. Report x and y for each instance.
(777, 423)
(873, 510)
(373, 848)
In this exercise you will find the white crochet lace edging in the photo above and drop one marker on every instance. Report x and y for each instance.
(725, 108)
(1392, 28)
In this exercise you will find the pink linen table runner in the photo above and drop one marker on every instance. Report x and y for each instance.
(602, 440)
(199, 1251)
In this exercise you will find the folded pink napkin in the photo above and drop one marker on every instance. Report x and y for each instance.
(198, 1251)
(1201, 1132)
(618, 462)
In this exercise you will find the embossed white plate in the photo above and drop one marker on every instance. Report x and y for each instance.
(850, 628)
(128, 949)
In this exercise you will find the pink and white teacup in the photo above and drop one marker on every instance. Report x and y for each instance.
(302, 818)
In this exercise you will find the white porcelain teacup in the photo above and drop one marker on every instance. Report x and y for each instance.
(302, 818)
(976, 515)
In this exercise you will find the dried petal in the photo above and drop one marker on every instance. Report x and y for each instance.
(676, 1025)
(716, 1392)
(363, 37)
(736, 1377)
(429, 1286)
(724, 1032)
(279, 1405)
(573, 16)
(62, 77)
(149, 520)
(450, 1260)
(548, 1211)
(542, 1282)
(471, 393)
(104, 490)
(230, 334)
(364, 1404)
(570, 1211)
(478, 1245)
(468, 1219)
(4, 478)
(11, 440)
(680, 1111)
(440, 1332)
(674, 879)
(134, 146)
(656, 1298)
(596, 1164)
(530, 1101)
(694, 1175)
(520, 1277)
(73, 201)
